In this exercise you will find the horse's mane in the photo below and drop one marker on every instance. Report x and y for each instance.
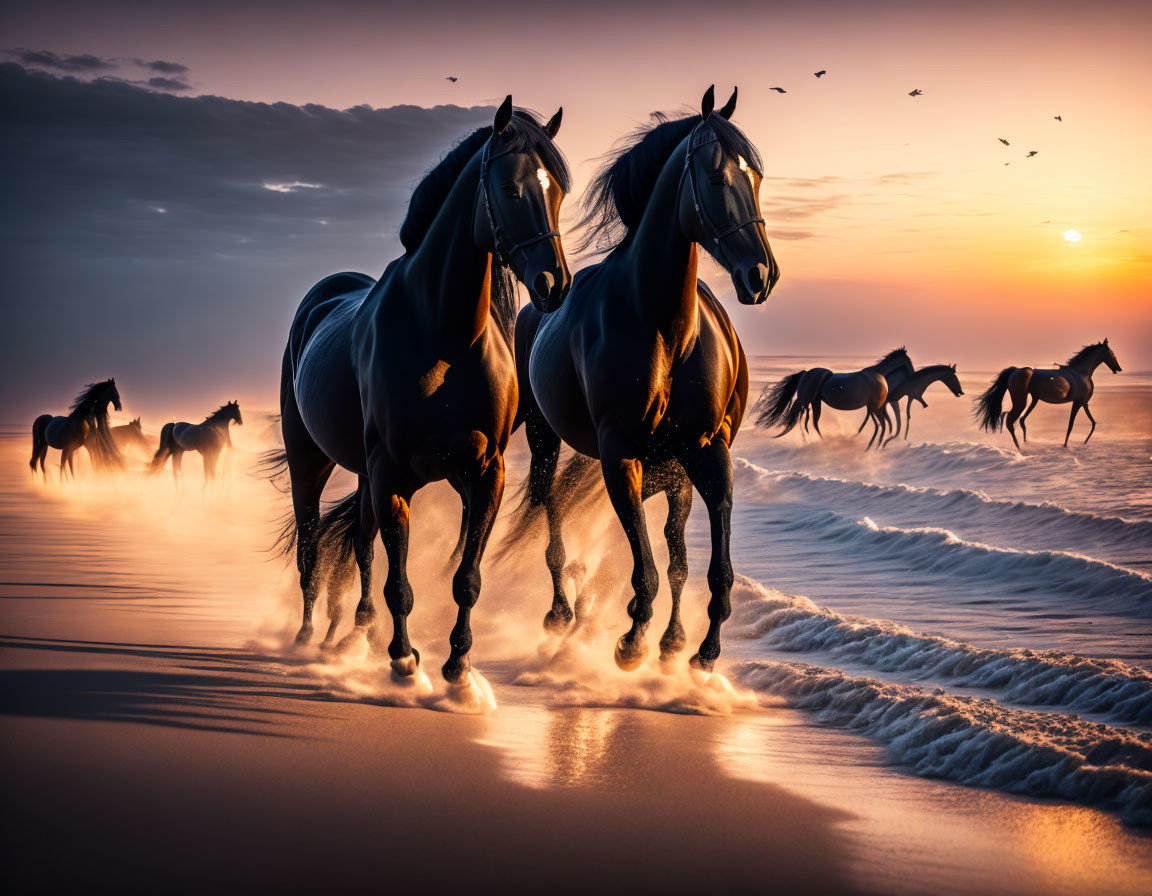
(524, 133)
(86, 401)
(615, 201)
(892, 355)
(218, 413)
(933, 368)
(1082, 354)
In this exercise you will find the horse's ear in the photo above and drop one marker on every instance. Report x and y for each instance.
(503, 115)
(709, 102)
(729, 107)
(1105, 340)
(553, 126)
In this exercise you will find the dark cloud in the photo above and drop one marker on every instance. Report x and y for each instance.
(172, 237)
(165, 68)
(159, 83)
(47, 59)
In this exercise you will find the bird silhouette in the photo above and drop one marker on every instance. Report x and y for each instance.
(916, 92)
(821, 73)
(1057, 117)
(1007, 163)
(1002, 140)
(450, 78)
(1031, 154)
(778, 89)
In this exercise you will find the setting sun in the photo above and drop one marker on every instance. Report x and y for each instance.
(1072, 236)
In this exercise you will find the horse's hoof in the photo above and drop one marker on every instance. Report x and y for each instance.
(557, 620)
(456, 669)
(630, 656)
(406, 666)
(304, 636)
(700, 664)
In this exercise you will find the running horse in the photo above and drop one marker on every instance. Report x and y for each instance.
(210, 438)
(801, 393)
(912, 388)
(642, 369)
(410, 379)
(1070, 382)
(86, 426)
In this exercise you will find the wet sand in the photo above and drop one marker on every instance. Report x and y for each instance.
(146, 747)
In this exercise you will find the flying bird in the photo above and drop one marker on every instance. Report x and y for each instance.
(821, 73)
(778, 89)
(916, 92)
(1002, 140)
(450, 78)
(1031, 153)
(1057, 117)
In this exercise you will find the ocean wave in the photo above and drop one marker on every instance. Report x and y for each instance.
(974, 740)
(962, 505)
(1045, 678)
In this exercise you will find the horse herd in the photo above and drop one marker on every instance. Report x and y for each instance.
(424, 374)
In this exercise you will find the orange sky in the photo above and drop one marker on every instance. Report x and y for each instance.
(880, 206)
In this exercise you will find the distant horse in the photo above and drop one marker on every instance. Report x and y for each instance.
(642, 368)
(210, 438)
(913, 388)
(410, 379)
(131, 435)
(85, 427)
(1071, 382)
(802, 392)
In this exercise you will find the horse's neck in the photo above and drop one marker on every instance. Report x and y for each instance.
(663, 260)
(1087, 366)
(448, 277)
(920, 381)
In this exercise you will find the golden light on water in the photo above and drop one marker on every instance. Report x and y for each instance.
(1072, 236)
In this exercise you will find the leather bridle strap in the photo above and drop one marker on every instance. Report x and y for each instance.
(504, 250)
(711, 232)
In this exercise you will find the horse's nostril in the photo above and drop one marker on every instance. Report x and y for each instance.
(758, 279)
(543, 284)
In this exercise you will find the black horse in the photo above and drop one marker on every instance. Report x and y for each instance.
(641, 368)
(211, 438)
(86, 426)
(410, 379)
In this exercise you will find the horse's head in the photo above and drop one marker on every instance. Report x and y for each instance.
(952, 381)
(719, 205)
(233, 412)
(111, 394)
(523, 180)
(137, 425)
(1109, 357)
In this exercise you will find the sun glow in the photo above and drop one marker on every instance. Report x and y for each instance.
(1072, 236)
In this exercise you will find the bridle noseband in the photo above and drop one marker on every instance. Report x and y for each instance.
(504, 251)
(712, 233)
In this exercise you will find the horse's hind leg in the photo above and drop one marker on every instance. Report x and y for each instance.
(1093, 429)
(1024, 417)
(907, 417)
(710, 470)
(896, 430)
(624, 480)
(1072, 419)
(177, 455)
(875, 428)
(545, 446)
(1018, 388)
(679, 505)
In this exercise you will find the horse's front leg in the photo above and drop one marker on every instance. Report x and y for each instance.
(624, 480)
(390, 505)
(1071, 420)
(710, 470)
(482, 496)
(679, 506)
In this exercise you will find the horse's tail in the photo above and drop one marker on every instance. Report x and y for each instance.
(772, 405)
(335, 533)
(578, 483)
(166, 441)
(811, 396)
(989, 404)
(39, 440)
(102, 447)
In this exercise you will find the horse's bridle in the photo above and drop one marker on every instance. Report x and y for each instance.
(715, 237)
(504, 251)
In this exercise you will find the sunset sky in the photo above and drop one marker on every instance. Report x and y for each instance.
(157, 236)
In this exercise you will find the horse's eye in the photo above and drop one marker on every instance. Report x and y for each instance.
(512, 190)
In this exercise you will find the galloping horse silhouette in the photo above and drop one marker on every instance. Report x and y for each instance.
(86, 426)
(131, 435)
(1071, 382)
(801, 393)
(410, 379)
(641, 368)
(913, 388)
(210, 438)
